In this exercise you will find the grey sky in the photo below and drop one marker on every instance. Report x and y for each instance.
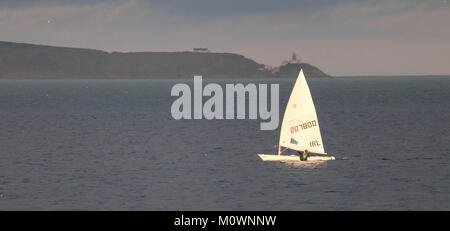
(342, 37)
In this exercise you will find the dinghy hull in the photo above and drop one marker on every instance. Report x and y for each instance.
(283, 158)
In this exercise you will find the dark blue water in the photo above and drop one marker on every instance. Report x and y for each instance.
(113, 145)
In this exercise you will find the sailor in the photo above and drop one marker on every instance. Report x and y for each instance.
(303, 155)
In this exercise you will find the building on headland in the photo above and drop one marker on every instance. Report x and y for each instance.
(201, 50)
(275, 70)
(293, 60)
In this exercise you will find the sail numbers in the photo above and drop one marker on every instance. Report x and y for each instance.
(314, 143)
(303, 126)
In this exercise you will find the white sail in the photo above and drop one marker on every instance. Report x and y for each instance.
(300, 127)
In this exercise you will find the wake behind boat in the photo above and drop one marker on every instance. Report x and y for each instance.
(300, 128)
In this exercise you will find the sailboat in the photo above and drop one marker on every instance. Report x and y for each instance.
(300, 128)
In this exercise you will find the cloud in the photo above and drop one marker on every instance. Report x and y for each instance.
(14, 4)
(424, 20)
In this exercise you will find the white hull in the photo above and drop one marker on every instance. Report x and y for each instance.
(272, 157)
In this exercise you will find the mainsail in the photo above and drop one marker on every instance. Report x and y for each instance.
(300, 127)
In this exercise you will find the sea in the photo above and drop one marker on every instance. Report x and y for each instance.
(113, 145)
